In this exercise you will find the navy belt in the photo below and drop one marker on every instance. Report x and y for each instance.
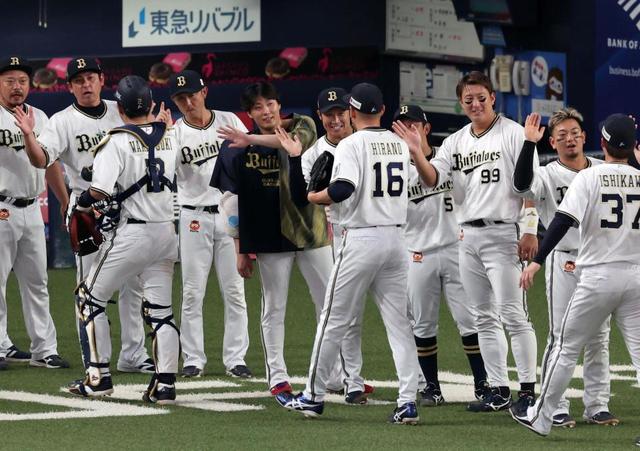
(135, 221)
(482, 223)
(208, 208)
(20, 203)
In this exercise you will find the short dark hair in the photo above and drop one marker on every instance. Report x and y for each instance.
(255, 90)
(474, 78)
(615, 152)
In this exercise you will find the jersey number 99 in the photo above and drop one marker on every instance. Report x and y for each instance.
(395, 182)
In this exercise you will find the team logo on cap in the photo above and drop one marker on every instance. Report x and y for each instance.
(404, 109)
(4, 214)
(182, 81)
(194, 226)
(332, 96)
(81, 63)
(15, 61)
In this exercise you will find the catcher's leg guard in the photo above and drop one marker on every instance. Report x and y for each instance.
(165, 335)
(94, 335)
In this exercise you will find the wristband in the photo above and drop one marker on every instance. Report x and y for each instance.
(530, 221)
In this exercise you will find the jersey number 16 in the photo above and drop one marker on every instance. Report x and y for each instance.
(395, 182)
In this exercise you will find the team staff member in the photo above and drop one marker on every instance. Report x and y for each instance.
(22, 240)
(551, 183)
(254, 173)
(603, 202)
(140, 158)
(69, 136)
(203, 239)
(369, 187)
(432, 236)
(480, 159)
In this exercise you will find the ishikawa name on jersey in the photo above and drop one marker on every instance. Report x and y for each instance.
(604, 201)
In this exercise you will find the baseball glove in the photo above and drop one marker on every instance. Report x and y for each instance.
(320, 175)
(85, 237)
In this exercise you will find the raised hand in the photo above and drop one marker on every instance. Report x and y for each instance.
(532, 130)
(24, 121)
(410, 135)
(236, 137)
(292, 146)
(164, 115)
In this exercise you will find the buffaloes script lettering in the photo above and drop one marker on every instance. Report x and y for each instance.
(201, 154)
(87, 142)
(12, 140)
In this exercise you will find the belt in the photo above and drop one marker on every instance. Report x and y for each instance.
(16, 202)
(482, 223)
(208, 208)
(135, 221)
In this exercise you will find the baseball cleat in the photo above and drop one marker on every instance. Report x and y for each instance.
(81, 387)
(16, 355)
(491, 402)
(240, 371)
(164, 394)
(356, 397)
(299, 403)
(4, 365)
(522, 419)
(282, 387)
(192, 371)
(637, 442)
(431, 396)
(482, 389)
(146, 367)
(603, 418)
(52, 361)
(405, 414)
(525, 400)
(564, 420)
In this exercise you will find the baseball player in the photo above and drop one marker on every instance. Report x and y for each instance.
(480, 159)
(603, 202)
(333, 111)
(253, 174)
(22, 240)
(369, 187)
(203, 239)
(567, 137)
(432, 236)
(140, 158)
(69, 137)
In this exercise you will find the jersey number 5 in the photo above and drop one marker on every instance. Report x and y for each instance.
(395, 182)
(617, 210)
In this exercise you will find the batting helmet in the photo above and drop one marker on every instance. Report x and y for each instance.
(134, 96)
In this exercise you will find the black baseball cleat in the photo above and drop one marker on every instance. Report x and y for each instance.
(603, 418)
(16, 355)
(52, 361)
(481, 389)
(356, 397)
(522, 419)
(637, 442)
(192, 371)
(240, 371)
(431, 396)
(564, 420)
(491, 402)
(82, 387)
(162, 395)
(525, 400)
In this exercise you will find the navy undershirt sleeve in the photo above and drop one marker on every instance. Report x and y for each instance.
(523, 174)
(297, 184)
(555, 232)
(340, 190)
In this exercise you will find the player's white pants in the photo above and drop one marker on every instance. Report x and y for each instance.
(561, 282)
(431, 273)
(132, 334)
(147, 251)
(490, 272)
(595, 298)
(370, 258)
(23, 248)
(203, 241)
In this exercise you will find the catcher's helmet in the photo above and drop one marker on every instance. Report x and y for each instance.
(134, 96)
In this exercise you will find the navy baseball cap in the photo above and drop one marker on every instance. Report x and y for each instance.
(412, 112)
(332, 98)
(187, 81)
(619, 130)
(82, 64)
(366, 98)
(15, 63)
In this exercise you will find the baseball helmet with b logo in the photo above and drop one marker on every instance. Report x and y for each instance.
(134, 96)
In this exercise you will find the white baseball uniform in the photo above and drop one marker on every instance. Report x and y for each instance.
(375, 161)
(22, 240)
(481, 167)
(203, 240)
(347, 368)
(604, 201)
(144, 246)
(70, 136)
(548, 189)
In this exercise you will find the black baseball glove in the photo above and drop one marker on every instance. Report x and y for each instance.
(320, 175)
